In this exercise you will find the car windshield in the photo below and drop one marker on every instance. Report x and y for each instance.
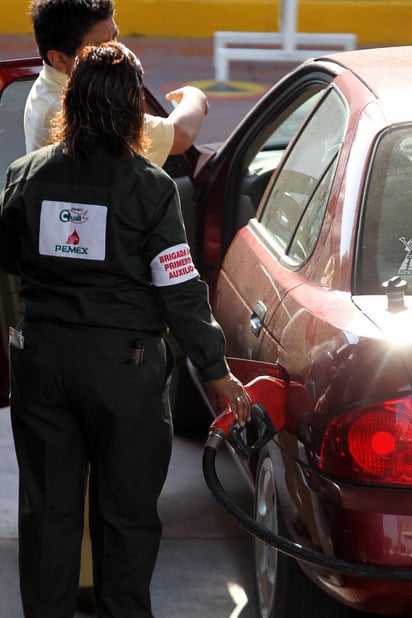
(385, 242)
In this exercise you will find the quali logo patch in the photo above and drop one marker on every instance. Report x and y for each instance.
(74, 215)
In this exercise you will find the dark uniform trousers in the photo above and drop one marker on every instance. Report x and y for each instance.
(77, 399)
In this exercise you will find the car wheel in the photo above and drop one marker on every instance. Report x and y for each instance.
(265, 556)
(283, 590)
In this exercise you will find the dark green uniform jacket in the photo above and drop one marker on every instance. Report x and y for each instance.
(101, 243)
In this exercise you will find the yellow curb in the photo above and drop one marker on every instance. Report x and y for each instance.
(380, 22)
(230, 89)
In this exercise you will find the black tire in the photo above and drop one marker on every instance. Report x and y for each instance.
(282, 588)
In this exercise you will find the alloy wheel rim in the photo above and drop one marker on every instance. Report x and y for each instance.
(265, 554)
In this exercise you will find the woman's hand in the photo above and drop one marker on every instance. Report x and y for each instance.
(233, 391)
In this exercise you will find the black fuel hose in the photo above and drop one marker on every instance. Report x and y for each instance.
(286, 546)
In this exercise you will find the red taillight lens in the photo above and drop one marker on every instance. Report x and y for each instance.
(370, 444)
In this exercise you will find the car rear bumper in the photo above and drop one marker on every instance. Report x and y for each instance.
(365, 526)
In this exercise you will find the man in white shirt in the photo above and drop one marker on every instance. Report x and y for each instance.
(61, 29)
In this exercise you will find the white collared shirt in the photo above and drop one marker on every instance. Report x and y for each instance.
(44, 100)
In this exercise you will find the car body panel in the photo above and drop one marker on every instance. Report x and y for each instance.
(342, 352)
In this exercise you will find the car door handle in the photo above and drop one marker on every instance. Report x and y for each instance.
(257, 317)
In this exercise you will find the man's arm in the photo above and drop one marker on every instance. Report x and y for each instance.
(187, 117)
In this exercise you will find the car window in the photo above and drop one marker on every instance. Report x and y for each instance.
(265, 149)
(385, 240)
(296, 204)
(12, 103)
(272, 150)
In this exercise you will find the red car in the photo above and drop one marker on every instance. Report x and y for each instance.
(300, 224)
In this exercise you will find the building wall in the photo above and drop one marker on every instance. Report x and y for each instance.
(382, 22)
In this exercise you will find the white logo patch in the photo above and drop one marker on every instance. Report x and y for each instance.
(173, 265)
(71, 230)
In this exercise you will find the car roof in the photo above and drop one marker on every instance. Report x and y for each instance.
(387, 72)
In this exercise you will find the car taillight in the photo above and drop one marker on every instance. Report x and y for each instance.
(370, 444)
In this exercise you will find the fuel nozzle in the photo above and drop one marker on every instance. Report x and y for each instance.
(268, 397)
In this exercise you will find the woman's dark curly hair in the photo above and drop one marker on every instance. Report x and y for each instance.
(103, 104)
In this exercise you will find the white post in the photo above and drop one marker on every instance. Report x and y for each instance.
(288, 45)
(288, 24)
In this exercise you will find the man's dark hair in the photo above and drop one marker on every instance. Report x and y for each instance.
(103, 104)
(63, 24)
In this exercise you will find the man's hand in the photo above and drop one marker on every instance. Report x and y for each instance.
(187, 117)
(194, 96)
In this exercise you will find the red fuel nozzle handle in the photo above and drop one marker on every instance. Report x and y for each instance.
(225, 427)
(268, 396)
(265, 431)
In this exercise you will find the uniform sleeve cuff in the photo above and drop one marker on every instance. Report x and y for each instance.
(215, 372)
